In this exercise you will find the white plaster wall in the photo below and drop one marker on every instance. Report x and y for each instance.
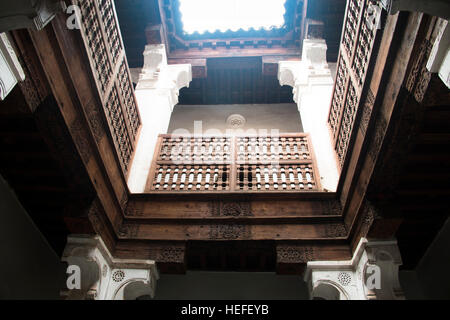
(314, 106)
(312, 83)
(156, 94)
(155, 111)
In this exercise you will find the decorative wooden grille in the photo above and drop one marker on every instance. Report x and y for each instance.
(101, 36)
(233, 163)
(359, 35)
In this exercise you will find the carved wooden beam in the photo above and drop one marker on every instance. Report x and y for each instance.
(67, 70)
(199, 66)
(293, 257)
(170, 256)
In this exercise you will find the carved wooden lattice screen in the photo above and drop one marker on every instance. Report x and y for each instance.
(103, 42)
(360, 31)
(233, 163)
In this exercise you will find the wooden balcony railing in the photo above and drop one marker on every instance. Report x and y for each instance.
(106, 53)
(233, 163)
(359, 34)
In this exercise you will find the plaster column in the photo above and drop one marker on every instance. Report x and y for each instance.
(312, 85)
(371, 274)
(104, 277)
(156, 93)
(11, 71)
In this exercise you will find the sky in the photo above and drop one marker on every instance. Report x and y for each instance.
(212, 15)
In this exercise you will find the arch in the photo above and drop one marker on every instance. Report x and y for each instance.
(328, 290)
(132, 289)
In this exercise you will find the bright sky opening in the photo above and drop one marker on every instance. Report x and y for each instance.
(223, 15)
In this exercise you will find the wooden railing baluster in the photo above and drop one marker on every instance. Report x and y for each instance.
(236, 163)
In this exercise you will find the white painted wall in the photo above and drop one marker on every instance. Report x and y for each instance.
(312, 84)
(156, 94)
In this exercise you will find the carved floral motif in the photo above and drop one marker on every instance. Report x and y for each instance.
(294, 254)
(233, 209)
(229, 232)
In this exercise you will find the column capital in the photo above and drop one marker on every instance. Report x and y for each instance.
(104, 277)
(159, 76)
(372, 273)
(311, 70)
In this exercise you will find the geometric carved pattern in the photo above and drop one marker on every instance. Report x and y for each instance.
(364, 45)
(230, 209)
(110, 24)
(282, 163)
(344, 278)
(294, 254)
(95, 43)
(118, 127)
(338, 96)
(366, 112)
(335, 230)
(358, 40)
(377, 140)
(351, 25)
(102, 39)
(348, 118)
(229, 232)
(369, 214)
(118, 276)
(419, 76)
(129, 101)
(171, 254)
